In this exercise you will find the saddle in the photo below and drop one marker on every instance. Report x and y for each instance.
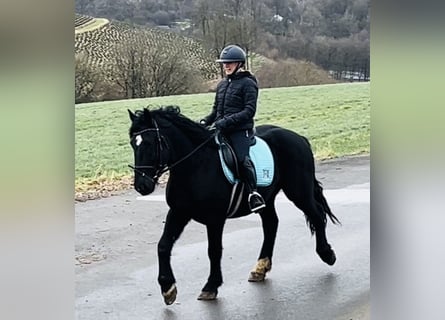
(227, 155)
(260, 155)
(262, 159)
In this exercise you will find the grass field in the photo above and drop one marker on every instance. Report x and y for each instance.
(335, 118)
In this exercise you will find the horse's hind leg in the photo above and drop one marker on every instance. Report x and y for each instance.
(303, 193)
(214, 237)
(174, 225)
(314, 214)
(269, 221)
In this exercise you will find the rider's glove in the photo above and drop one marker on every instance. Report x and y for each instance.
(221, 124)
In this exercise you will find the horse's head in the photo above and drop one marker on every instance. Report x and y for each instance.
(149, 147)
(162, 139)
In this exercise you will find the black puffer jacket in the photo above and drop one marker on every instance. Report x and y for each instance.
(235, 102)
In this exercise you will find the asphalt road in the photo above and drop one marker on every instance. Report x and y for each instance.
(116, 262)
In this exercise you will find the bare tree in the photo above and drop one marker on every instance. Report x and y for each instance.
(82, 6)
(86, 80)
(169, 73)
(131, 73)
(143, 71)
(229, 22)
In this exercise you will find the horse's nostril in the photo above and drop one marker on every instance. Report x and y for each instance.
(141, 189)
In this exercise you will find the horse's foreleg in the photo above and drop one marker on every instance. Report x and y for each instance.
(214, 237)
(269, 221)
(174, 225)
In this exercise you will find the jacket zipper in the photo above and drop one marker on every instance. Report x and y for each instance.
(224, 97)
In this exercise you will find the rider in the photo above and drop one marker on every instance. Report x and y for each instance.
(233, 111)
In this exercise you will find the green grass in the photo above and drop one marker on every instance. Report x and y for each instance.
(335, 118)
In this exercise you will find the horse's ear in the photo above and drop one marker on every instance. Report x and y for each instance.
(131, 114)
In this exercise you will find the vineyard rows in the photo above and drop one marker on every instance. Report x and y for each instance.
(100, 45)
(81, 20)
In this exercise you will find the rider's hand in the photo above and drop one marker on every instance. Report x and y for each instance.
(220, 124)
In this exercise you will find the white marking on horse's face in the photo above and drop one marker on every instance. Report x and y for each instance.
(138, 140)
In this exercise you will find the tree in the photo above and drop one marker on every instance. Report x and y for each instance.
(228, 22)
(170, 74)
(84, 6)
(130, 71)
(143, 71)
(86, 80)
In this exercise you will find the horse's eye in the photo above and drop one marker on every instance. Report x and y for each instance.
(138, 140)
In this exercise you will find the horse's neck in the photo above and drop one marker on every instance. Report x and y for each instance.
(187, 148)
(182, 143)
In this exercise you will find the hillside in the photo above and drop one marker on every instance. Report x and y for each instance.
(116, 60)
(97, 39)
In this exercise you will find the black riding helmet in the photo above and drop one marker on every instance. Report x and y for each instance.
(232, 53)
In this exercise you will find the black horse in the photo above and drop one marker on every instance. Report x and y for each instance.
(164, 139)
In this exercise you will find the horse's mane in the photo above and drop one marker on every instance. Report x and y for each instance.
(166, 115)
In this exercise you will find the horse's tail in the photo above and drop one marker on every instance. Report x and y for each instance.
(321, 200)
(319, 196)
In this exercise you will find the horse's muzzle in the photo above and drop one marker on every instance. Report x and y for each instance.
(144, 188)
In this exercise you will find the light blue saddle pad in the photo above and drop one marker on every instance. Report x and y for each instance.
(263, 160)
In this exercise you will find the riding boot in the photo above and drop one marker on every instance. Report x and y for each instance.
(255, 200)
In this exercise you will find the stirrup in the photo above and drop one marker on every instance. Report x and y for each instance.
(260, 205)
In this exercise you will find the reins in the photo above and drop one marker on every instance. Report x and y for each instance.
(190, 154)
(162, 168)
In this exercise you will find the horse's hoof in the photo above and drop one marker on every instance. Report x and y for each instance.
(206, 295)
(331, 259)
(328, 256)
(170, 295)
(259, 271)
(256, 277)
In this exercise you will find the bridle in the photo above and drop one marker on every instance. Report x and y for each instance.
(162, 166)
